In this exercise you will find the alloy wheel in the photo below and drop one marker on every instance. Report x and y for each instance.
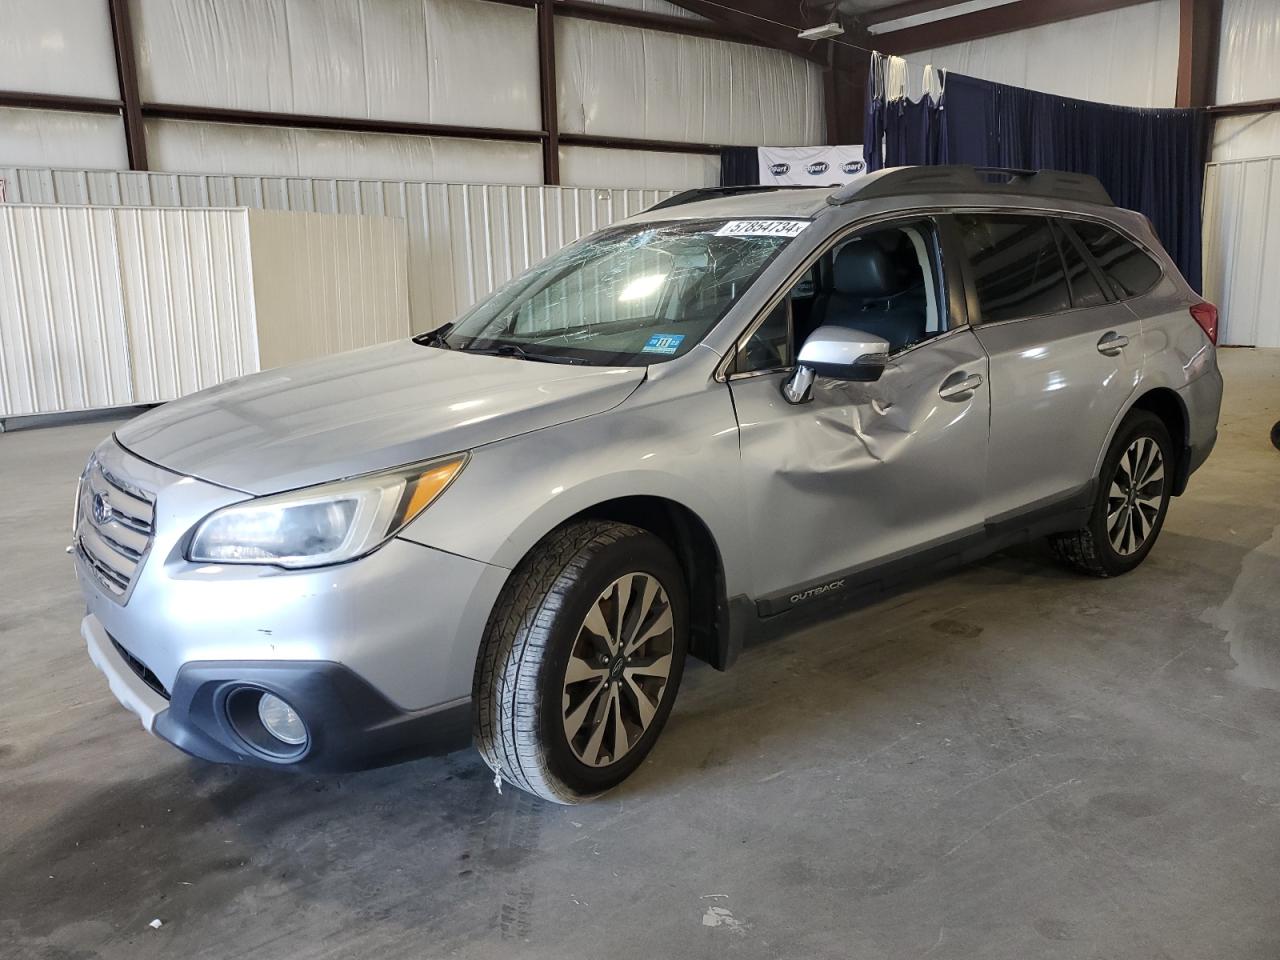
(1135, 496)
(618, 669)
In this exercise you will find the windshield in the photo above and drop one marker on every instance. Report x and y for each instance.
(626, 296)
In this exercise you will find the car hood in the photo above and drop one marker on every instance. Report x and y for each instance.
(366, 410)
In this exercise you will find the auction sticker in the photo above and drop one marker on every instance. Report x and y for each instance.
(762, 228)
(663, 343)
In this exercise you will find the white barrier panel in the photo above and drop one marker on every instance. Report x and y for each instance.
(103, 307)
(464, 239)
(1242, 248)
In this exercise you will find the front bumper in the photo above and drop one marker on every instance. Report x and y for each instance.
(350, 725)
(377, 655)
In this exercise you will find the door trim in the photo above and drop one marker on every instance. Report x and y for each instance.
(1052, 515)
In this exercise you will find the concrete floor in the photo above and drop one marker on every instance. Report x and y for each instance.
(1014, 762)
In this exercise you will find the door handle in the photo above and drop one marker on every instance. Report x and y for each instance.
(960, 386)
(1112, 343)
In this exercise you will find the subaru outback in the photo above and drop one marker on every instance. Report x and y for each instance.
(735, 412)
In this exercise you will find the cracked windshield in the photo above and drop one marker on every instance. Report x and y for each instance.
(626, 296)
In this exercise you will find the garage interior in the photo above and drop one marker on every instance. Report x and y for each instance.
(1006, 761)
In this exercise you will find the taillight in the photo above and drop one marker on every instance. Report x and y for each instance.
(1206, 314)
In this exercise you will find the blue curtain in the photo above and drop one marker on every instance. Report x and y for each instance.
(1149, 160)
(739, 166)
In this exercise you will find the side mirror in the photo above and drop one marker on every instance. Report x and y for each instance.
(839, 353)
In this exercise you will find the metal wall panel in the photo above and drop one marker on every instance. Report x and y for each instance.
(324, 283)
(63, 341)
(188, 298)
(102, 307)
(464, 239)
(1127, 56)
(1242, 249)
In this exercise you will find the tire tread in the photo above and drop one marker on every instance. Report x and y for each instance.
(516, 641)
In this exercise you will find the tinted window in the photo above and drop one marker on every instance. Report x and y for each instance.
(1017, 270)
(1129, 268)
(1085, 289)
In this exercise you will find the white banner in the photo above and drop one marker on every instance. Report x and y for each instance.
(811, 166)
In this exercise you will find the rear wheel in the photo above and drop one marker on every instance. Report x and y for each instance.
(581, 661)
(1134, 488)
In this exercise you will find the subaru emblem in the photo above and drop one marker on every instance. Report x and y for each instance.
(101, 509)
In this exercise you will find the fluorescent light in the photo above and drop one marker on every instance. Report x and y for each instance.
(642, 287)
(823, 32)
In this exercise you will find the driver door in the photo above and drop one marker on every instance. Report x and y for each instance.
(863, 473)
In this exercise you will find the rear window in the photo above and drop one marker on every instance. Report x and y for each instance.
(1131, 270)
(1017, 270)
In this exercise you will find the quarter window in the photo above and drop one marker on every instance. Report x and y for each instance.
(1085, 289)
(1130, 269)
(1017, 269)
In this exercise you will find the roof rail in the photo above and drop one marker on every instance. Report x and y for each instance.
(711, 193)
(904, 181)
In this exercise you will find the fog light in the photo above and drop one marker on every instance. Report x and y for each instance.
(281, 720)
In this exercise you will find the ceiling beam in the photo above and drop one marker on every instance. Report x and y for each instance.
(626, 17)
(135, 135)
(262, 118)
(908, 8)
(770, 23)
(1199, 22)
(547, 90)
(630, 143)
(1244, 108)
(992, 22)
(57, 101)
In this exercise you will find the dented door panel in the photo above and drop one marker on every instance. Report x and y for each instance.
(863, 471)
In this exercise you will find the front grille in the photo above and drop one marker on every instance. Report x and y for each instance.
(114, 525)
(141, 669)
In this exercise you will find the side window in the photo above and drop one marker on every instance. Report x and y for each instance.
(1130, 269)
(883, 281)
(1085, 289)
(1017, 269)
(769, 347)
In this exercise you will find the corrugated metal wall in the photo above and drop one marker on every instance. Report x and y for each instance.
(108, 306)
(103, 307)
(1242, 249)
(324, 283)
(464, 239)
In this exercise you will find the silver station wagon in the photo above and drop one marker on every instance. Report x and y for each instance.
(733, 413)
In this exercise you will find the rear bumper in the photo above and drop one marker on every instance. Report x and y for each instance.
(350, 725)
(1202, 400)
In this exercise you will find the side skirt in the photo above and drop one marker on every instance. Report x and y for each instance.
(784, 612)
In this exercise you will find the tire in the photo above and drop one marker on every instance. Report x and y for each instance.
(524, 700)
(1124, 525)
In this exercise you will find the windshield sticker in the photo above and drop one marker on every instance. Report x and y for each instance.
(762, 228)
(663, 343)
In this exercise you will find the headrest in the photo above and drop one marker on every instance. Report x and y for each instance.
(863, 269)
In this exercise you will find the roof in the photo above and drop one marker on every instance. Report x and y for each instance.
(922, 181)
(769, 202)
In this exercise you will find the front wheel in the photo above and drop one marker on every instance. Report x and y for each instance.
(1134, 487)
(581, 660)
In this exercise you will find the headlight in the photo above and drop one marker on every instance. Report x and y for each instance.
(325, 524)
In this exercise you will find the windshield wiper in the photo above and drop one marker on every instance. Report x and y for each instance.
(435, 338)
(514, 350)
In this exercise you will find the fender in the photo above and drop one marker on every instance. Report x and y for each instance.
(513, 492)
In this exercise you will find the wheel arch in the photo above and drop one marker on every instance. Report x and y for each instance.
(714, 634)
(1165, 403)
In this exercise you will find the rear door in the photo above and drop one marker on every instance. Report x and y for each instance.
(1064, 357)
